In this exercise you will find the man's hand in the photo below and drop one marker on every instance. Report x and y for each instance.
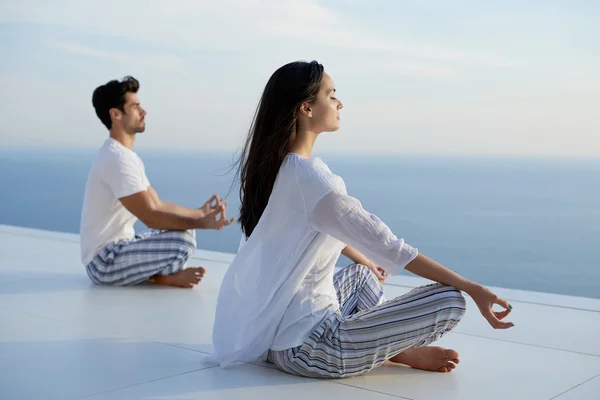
(210, 212)
(208, 207)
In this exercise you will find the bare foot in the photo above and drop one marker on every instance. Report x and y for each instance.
(186, 278)
(428, 358)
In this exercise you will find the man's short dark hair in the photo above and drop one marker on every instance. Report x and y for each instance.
(112, 95)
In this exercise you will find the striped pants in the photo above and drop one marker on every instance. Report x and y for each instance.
(365, 332)
(131, 262)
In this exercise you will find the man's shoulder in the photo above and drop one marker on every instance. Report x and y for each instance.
(111, 160)
(110, 153)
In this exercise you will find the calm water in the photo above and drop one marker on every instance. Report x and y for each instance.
(517, 223)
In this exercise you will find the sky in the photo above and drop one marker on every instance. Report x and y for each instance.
(420, 77)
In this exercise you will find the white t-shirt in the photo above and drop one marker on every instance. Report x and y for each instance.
(116, 172)
(279, 287)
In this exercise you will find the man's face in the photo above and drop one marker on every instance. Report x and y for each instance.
(132, 118)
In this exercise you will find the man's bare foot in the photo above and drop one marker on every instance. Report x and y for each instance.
(428, 358)
(186, 278)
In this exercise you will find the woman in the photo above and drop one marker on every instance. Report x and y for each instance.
(280, 299)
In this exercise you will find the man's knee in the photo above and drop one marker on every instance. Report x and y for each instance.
(191, 238)
(188, 242)
(185, 240)
(192, 232)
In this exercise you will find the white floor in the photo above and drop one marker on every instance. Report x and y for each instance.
(61, 337)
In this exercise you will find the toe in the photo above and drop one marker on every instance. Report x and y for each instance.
(451, 354)
(443, 369)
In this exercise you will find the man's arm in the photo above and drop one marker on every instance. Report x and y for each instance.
(174, 208)
(144, 206)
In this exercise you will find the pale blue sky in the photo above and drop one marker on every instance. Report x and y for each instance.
(456, 77)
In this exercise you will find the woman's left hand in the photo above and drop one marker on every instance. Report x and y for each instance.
(485, 300)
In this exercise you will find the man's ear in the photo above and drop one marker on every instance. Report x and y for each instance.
(115, 113)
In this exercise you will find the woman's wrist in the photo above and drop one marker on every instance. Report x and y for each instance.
(470, 286)
(369, 264)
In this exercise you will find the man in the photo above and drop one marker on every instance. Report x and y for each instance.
(118, 193)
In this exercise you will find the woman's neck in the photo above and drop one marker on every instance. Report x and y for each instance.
(304, 143)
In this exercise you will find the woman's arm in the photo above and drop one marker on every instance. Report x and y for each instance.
(430, 269)
(359, 258)
(343, 217)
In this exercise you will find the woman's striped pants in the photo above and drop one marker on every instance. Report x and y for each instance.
(365, 332)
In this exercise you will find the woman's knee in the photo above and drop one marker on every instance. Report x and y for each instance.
(455, 300)
(370, 275)
(362, 270)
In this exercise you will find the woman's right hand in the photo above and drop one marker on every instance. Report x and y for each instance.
(379, 272)
(485, 299)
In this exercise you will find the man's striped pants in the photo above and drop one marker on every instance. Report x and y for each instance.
(135, 261)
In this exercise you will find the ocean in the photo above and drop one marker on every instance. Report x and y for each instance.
(522, 223)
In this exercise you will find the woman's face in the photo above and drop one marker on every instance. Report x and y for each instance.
(326, 108)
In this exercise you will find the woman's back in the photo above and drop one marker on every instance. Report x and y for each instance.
(283, 273)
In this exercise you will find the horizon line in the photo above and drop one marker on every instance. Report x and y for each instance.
(155, 149)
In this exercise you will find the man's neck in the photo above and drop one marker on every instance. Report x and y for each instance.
(123, 137)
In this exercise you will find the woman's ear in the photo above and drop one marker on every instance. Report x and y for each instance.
(306, 110)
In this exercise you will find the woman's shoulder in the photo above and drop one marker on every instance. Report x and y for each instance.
(312, 172)
(305, 167)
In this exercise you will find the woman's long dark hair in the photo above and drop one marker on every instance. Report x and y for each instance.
(271, 134)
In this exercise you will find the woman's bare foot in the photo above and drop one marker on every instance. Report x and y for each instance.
(428, 358)
(186, 278)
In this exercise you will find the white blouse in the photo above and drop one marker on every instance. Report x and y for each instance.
(279, 287)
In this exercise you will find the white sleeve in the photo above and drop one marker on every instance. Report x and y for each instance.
(144, 176)
(124, 176)
(344, 218)
(243, 241)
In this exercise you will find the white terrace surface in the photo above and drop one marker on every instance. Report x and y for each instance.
(61, 337)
